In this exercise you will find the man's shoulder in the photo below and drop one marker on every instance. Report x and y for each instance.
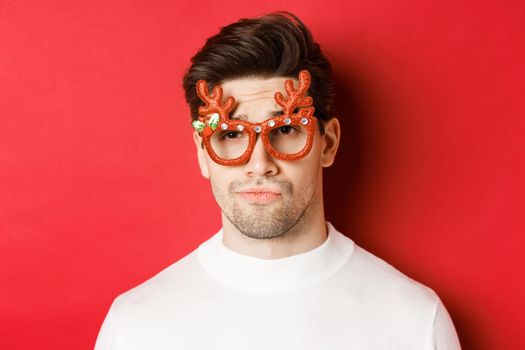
(387, 298)
(381, 281)
(178, 278)
(364, 271)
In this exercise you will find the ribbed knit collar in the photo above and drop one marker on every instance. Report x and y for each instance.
(251, 274)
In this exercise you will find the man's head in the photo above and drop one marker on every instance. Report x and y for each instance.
(265, 197)
(275, 45)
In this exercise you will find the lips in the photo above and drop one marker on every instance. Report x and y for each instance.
(260, 195)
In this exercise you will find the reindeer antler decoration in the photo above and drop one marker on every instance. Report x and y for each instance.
(213, 105)
(295, 98)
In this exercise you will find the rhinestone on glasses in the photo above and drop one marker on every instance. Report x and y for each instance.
(240, 127)
(224, 126)
(304, 121)
(257, 129)
(271, 123)
(287, 121)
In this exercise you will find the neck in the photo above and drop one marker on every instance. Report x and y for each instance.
(308, 233)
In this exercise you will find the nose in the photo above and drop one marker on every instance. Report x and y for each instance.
(261, 163)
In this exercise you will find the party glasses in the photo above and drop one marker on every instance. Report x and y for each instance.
(231, 141)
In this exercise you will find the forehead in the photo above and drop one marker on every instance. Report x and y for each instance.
(255, 93)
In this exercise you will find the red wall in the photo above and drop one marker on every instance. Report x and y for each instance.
(99, 186)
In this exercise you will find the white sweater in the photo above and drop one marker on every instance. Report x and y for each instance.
(336, 296)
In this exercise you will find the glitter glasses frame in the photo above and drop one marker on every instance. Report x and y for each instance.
(214, 117)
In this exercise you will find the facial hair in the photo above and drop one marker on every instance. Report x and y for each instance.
(266, 221)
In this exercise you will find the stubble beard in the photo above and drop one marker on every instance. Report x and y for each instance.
(266, 221)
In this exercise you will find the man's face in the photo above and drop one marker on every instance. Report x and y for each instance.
(265, 197)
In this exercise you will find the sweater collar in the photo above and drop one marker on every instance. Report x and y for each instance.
(251, 274)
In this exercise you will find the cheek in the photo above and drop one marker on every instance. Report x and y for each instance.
(219, 190)
(303, 174)
(220, 178)
(309, 166)
(217, 182)
(307, 170)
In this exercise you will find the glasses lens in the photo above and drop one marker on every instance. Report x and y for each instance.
(229, 144)
(289, 139)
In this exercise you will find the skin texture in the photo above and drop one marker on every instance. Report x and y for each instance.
(270, 208)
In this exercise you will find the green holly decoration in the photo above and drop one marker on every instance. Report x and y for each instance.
(198, 125)
(213, 122)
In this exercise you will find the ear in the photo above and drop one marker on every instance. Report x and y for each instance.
(331, 139)
(201, 156)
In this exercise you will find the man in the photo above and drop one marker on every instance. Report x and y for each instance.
(277, 275)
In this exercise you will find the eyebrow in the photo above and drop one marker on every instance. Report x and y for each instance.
(243, 116)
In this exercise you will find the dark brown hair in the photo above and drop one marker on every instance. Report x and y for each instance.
(273, 45)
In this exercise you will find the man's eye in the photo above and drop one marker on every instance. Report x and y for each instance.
(231, 135)
(285, 129)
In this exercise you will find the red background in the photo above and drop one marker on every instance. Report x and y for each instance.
(100, 190)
